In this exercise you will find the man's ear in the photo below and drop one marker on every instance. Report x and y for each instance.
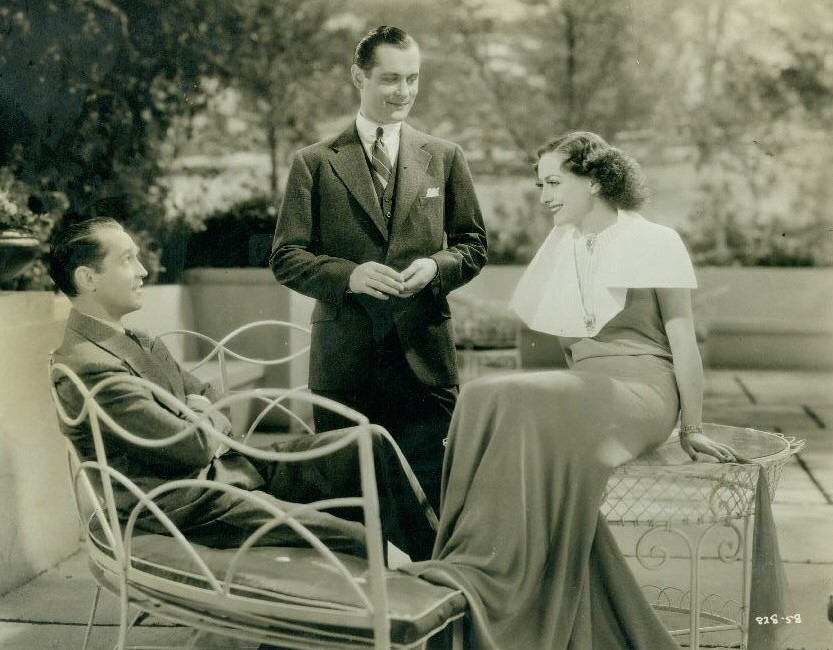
(84, 279)
(357, 74)
(594, 187)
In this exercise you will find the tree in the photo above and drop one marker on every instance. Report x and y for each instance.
(288, 58)
(560, 65)
(87, 90)
(756, 93)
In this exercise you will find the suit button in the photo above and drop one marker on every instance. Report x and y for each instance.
(387, 214)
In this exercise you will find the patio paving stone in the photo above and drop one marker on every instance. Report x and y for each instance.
(51, 611)
(23, 636)
(723, 384)
(809, 587)
(27, 636)
(823, 412)
(797, 487)
(765, 417)
(792, 387)
(804, 534)
(64, 594)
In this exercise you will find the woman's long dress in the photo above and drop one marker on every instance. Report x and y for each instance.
(526, 466)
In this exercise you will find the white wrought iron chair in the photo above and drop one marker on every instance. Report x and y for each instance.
(298, 597)
(227, 362)
(224, 353)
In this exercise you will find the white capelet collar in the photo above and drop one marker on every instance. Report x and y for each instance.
(641, 254)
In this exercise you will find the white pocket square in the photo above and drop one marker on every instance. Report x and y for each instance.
(432, 192)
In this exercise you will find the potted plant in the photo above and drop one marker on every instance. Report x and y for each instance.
(26, 219)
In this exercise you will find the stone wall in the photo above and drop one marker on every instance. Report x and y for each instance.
(756, 318)
(39, 525)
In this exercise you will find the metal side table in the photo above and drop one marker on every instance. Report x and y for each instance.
(667, 492)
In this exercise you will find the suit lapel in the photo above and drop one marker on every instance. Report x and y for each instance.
(143, 363)
(168, 367)
(350, 164)
(410, 175)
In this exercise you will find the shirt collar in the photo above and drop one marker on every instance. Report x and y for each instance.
(367, 131)
(116, 326)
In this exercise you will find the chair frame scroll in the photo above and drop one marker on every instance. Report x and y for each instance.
(222, 351)
(212, 600)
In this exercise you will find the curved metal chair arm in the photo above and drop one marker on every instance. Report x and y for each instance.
(411, 476)
(223, 591)
(223, 351)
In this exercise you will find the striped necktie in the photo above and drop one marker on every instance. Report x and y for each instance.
(382, 166)
(134, 336)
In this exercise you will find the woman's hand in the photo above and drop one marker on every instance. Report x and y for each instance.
(700, 443)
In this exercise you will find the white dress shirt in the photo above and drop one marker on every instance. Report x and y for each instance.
(390, 137)
(116, 326)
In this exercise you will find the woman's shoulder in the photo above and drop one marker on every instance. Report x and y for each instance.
(648, 254)
(637, 226)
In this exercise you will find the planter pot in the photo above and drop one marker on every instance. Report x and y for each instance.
(17, 252)
(38, 528)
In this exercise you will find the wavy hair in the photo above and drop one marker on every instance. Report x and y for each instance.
(621, 180)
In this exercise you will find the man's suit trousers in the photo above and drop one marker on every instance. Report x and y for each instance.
(416, 415)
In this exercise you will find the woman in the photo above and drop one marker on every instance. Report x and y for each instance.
(529, 455)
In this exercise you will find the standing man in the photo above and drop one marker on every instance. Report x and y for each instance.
(378, 225)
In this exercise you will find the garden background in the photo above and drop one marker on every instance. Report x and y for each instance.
(178, 118)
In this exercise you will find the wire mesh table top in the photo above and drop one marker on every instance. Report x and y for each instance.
(666, 486)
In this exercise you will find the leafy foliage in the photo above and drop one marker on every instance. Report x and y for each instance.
(25, 210)
(99, 98)
(239, 237)
(88, 91)
(761, 115)
(516, 230)
(747, 93)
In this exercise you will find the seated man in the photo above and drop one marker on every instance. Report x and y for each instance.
(95, 264)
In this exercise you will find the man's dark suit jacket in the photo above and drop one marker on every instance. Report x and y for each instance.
(95, 351)
(331, 221)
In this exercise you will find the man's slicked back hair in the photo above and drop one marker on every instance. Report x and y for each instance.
(365, 56)
(77, 245)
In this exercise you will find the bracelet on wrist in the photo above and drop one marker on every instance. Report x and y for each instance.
(689, 429)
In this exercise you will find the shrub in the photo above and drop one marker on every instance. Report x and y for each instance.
(727, 234)
(238, 237)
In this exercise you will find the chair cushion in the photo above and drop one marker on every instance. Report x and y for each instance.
(301, 576)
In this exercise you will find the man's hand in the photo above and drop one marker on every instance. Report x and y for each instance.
(203, 405)
(418, 275)
(376, 280)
